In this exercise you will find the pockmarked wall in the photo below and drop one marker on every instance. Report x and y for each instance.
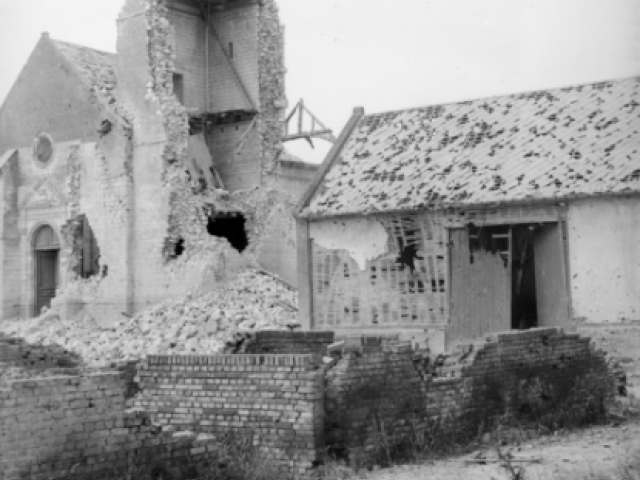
(604, 259)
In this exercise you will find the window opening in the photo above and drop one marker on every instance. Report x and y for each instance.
(230, 49)
(43, 149)
(231, 226)
(178, 86)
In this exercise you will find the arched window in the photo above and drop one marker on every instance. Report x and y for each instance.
(46, 239)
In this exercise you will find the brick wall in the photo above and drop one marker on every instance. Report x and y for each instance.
(539, 375)
(78, 428)
(276, 399)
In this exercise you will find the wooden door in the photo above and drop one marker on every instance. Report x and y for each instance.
(46, 278)
(480, 297)
(551, 282)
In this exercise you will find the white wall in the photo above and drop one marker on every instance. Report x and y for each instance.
(604, 255)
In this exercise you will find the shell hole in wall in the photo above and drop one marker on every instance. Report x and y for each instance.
(85, 252)
(174, 248)
(230, 226)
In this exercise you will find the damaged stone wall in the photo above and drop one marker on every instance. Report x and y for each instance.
(537, 377)
(271, 77)
(173, 251)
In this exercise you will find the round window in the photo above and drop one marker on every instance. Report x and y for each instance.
(43, 149)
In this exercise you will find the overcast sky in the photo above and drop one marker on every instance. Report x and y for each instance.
(389, 55)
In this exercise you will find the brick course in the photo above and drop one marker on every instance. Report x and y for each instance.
(276, 399)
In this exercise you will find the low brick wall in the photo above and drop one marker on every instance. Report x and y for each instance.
(79, 428)
(372, 392)
(378, 393)
(277, 400)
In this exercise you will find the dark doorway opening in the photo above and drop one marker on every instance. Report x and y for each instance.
(230, 226)
(46, 253)
(524, 302)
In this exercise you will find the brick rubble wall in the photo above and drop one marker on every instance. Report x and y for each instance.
(79, 428)
(543, 375)
(275, 399)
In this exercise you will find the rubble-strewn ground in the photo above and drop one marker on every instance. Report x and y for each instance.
(193, 324)
(598, 453)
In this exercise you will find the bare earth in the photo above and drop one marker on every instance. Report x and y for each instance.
(595, 453)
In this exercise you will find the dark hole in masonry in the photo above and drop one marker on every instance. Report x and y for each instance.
(174, 248)
(231, 226)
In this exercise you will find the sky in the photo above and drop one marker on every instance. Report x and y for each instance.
(342, 54)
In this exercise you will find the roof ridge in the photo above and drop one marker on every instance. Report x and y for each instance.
(492, 97)
(77, 45)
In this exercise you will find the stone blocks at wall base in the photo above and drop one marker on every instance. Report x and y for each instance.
(275, 400)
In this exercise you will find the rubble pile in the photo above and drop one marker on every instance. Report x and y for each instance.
(196, 324)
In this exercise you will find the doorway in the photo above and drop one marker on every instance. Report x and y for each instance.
(46, 254)
(506, 277)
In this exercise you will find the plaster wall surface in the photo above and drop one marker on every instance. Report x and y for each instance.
(238, 168)
(190, 53)
(604, 259)
(237, 26)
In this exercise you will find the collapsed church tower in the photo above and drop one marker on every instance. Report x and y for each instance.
(128, 178)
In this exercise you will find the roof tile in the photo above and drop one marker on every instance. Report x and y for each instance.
(580, 140)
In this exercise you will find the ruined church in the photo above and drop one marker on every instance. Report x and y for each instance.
(126, 178)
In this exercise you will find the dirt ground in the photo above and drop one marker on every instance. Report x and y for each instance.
(598, 453)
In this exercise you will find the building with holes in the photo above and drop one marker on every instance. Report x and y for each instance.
(130, 177)
(451, 221)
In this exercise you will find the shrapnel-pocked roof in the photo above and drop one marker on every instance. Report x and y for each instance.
(569, 142)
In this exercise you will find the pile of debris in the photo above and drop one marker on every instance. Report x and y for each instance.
(196, 324)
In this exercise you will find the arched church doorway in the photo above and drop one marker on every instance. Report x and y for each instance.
(46, 252)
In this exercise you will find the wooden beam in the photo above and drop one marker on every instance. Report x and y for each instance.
(316, 133)
(332, 157)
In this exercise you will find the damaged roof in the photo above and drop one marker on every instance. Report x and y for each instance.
(96, 67)
(562, 143)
